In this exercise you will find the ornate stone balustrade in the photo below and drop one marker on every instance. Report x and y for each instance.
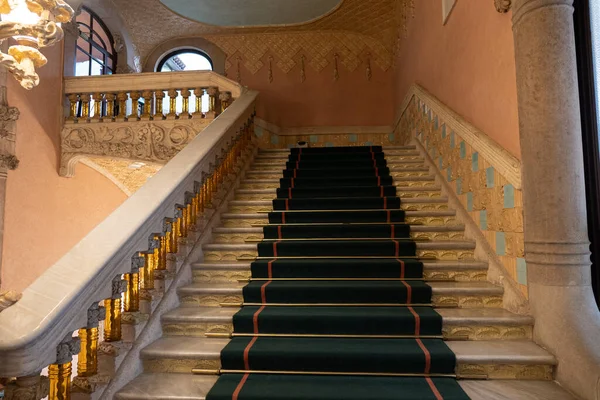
(141, 117)
(112, 279)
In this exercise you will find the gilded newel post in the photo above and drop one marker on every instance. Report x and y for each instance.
(112, 320)
(59, 373)
(556, 239)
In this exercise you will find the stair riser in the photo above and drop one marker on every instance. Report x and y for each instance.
(178, 366)
(455, 300)
(462, 275)
(424, 194)
(450, 332)
(398, 165)
(277, 175)
(285, 156)
(230, 238)
(433, 221)
(233, 255)
(405, 207)
(391, 159)
(275, 185)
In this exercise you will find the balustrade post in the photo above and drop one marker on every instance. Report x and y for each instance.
(172, 104)
(112, 321)
(98, 101)
(225, 98)
(59, 373)
(110, 106)
(198, 198)
(169, 229)
(74, 103)
(131, 298)
(154, 247)
(198, 92)
(182, 220)
(85, 106)
(213, 92)
(87, 362)
(147, 95)
(158, 112)
(122, 98)
(135, 105)
(185, 109)
(205, 191)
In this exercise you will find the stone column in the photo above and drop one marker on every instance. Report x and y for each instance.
(567, 321)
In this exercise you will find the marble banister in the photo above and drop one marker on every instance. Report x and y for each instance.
(57, 303)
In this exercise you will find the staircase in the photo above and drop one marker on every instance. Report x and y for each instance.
(411, 306)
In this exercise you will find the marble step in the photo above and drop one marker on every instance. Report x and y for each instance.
(431, 218)
(462, 271)
(415, 204)
(393, 164)
(441, 250)
(417, 181)
(404, 192)
(385, 149)
(241, 235)
(445, 294)
(497, 359)
(162, 386)
(474, 323)
(395, 173)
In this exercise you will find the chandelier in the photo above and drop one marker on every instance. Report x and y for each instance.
(33, 24)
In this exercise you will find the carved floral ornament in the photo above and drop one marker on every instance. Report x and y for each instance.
(502, 6)
(17, 16)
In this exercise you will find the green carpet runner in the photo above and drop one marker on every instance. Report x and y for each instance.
(337, 308)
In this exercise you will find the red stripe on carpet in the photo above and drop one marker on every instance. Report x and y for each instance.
(381, 190)
(300, 150)
(279, 235)
(297, 164)
(292, 182)
(378, 181)
(408, 292)
(263, 292)
(389, 216)
(283, 218)
(275, 249)
(402, 269)
(377, 171)
(294, 172)
(385, 203)
(427, 356)
(270, 270)
(239, 387)
(436, 393)
(290, 193)
(247, 351)
(417, 321)
(255, 319)
(393, 229)
(397, 248)
(287, 204)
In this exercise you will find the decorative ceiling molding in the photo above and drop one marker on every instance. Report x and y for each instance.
(252, 13)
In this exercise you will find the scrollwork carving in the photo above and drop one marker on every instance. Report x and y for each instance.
(8, 298)
(502, 6)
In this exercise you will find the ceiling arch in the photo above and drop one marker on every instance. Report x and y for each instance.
(238, 13)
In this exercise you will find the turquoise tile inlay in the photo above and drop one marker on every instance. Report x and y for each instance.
(444, 131)
(470, 201)
(500, 243)
(489, 177)
(509, 196)
(452, 140)
(314, 138)
(463, 150)
(274, 139)
(391, 137)
(449, 171)
(258, 131)
(521, 271)
(483, 220)
(441, 162)
(475, 164)
(436, 123)
(459, 186)
(328, 144)
(353, 138)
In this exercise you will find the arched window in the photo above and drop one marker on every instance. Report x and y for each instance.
(95, 53)
(185, 60)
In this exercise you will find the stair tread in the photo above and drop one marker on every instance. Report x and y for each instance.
(515, 390)
(500, 351)
(270, 202)
(435, 188)
(184, 347)
(164, 386)
(414, 228)
(453, 264)
(434, 244)
(194, 314)
(443, 213)
(401, 179)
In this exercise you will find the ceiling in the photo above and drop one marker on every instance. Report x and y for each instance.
(237, 13)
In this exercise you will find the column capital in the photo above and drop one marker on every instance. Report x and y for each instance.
(520, 8)
(95, 314)
(67, 349)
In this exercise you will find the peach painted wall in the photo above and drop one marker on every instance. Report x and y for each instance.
(468, 64)
(320, 100)
(45, 214)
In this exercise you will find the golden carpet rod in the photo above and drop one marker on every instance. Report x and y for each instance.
(318, 239)
(244, 258)
(331, 336)
(348, 279)
(201, 371)
(335, 223)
